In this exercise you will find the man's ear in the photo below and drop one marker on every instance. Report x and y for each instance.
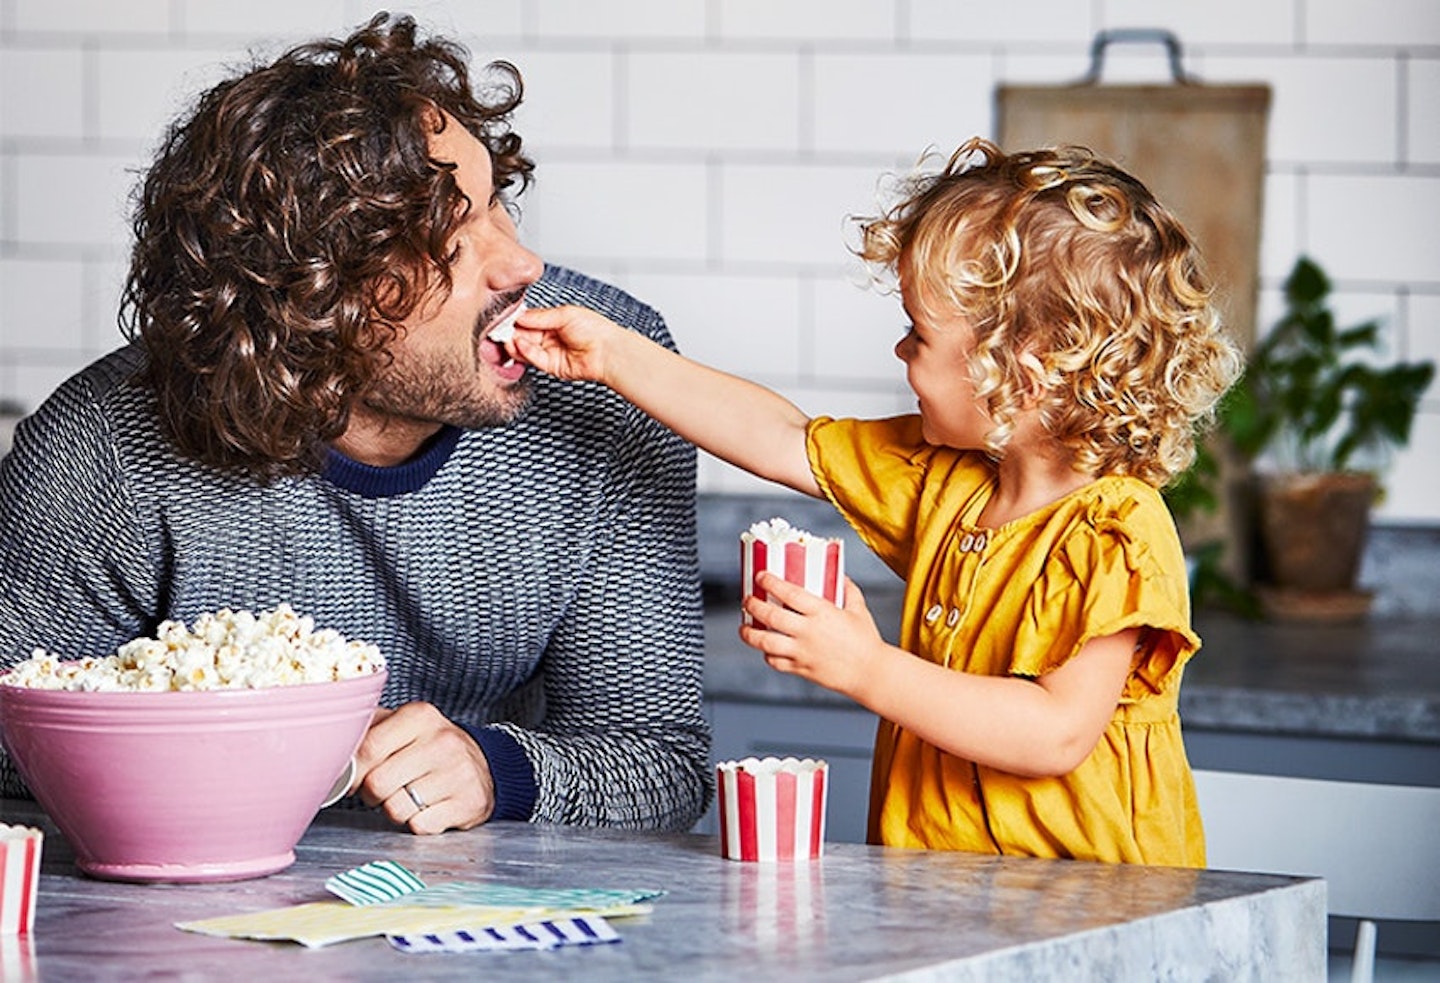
(434, 118)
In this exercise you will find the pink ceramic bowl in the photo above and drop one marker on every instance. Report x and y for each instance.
(185, 786)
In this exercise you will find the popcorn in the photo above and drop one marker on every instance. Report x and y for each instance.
(505, 330)
(224, 650)
(814, 562)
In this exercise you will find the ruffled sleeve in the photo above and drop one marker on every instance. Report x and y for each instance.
(872, 471)
(1118, 565)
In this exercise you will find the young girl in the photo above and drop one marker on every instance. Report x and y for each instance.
(1062, 348)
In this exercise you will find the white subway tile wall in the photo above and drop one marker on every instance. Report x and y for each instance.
(707, 155)
(1422, 90)
(68, 20)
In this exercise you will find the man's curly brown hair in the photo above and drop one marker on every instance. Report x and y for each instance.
(289, 223)
(1078, 284)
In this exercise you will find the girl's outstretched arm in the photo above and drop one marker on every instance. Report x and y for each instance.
(738, 421)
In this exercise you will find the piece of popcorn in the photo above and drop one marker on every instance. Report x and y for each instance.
(505, 330)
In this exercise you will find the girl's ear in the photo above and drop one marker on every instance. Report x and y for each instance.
(1034, 376)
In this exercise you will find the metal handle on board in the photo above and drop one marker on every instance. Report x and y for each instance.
(1136, 34)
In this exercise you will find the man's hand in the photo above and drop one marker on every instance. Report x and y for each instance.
(426, 773)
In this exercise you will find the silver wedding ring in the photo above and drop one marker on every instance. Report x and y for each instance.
(414, 796)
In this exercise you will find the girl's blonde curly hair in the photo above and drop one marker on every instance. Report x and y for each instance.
(1078, 284)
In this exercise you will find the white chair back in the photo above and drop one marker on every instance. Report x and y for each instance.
(1376, 846)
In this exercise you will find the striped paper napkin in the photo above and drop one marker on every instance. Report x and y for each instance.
(385, 898)
(548, 934)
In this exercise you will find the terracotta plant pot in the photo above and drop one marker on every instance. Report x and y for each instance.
(1313, 527)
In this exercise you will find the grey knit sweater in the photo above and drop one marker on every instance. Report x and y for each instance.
(538, 582)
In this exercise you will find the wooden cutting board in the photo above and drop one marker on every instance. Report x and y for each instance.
(1200, 148)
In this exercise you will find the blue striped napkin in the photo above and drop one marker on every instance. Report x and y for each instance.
(548, 934)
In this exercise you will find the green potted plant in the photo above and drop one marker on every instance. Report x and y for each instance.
(1194, 498)
(1319, 420)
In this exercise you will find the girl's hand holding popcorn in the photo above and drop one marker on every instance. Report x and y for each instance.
(569, 342)
(804, 634)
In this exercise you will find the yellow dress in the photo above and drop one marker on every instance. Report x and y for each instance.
(1021, 600)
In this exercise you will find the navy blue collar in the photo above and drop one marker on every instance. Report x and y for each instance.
(369, 481)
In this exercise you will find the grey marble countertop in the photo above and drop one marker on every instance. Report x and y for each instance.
(1378, 679)
(859, 913)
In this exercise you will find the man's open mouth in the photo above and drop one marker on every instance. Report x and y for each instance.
(493, 345)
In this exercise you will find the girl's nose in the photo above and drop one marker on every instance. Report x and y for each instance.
(903, 347)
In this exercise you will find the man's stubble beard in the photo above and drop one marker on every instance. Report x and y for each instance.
(447, 391)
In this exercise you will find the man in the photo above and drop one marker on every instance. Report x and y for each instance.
(312, 413)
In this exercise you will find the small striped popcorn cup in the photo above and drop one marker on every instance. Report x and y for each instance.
(814, 562)
(19, 877)
(772, 808)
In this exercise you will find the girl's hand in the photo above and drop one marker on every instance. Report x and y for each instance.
(567, 342)
(804, 634)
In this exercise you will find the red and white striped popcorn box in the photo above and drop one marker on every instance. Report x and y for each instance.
(772, 809)
(814, 562)
(19, 877)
